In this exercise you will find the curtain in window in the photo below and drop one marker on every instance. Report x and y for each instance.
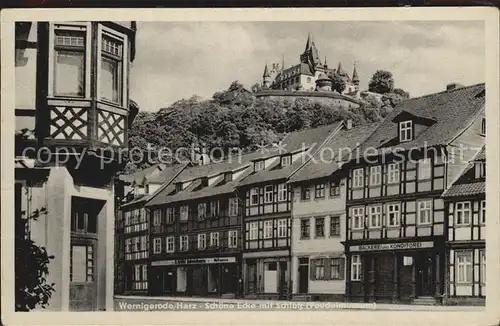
(70, 72)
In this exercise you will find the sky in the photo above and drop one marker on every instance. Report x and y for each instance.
(176, 60)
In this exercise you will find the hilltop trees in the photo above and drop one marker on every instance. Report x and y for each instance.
(338, 83)
(381, 82)
(235, 118)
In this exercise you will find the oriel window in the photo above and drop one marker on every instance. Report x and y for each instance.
(111, 69)
(69, 49)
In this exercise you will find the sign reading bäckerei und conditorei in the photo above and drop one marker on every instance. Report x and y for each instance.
(392, 246)
(193, 261)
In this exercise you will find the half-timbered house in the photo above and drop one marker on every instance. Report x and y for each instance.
(465, 204)
(267, 202)
(72, 112)
(396, 219)
(195, 238)
(318, 219)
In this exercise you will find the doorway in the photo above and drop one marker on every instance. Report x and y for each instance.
(425, 274)
(303, 275)
(169, 280)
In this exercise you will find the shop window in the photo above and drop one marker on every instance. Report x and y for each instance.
(356, 268)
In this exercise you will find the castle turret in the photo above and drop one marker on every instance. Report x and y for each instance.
(266, 77)
(323, 83)
(355, 77)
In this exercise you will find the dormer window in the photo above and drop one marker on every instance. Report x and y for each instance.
(483, 127)
(286, 160)
(405, 131)
(228, 177)
(204, 182)
(258, 166)
(480, 169)
(179, 186)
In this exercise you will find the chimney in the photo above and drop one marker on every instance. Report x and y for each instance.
(453, 86)
(348, 124)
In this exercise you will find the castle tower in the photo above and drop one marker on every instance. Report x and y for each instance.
(304, 57)
(323, 83)
(266, 78)
(355, 77)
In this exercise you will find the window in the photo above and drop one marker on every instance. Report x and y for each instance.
(336, 271)
(111, 69)
(393, 173)
(464, 267)
(305, 193)
(184, 213)
(254, 196)
(483, 127)
(228, 177)
(357, 178)
(405, 131)
(482, 212)
(424, 169)
(334, 189)
(214, 208)
(214, 239)
(184, 244)
(233, 207)
(375, 175)
(482, 256)
(424, 212)
(319, 269)
(202, 241)
(268, 194)
(358, 218)
(282, 228)
(319, 190)
(233, 239)
(253, 231)
(157, 246)
(82, 263)
(83, 216)
(202, 211)
(356, 268)
(144, 272)
(393, 215)
(259, 165)
(69, 74)
(375, 218)
(335, 226)
(268, 229)
(170, 244)
(282, 192)
(286, 160)
(170, 215)
(480, 170)
(128, 245)
(319, 224)
(304, 229)
(462, 213)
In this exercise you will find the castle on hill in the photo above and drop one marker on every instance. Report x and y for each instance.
(309, 75)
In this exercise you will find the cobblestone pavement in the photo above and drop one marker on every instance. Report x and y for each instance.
(142, 303)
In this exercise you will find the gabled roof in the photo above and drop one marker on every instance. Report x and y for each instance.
(141, 176)
(195, 173)
(328, 160)
(310, 140)
(467, 184)
(452, 110)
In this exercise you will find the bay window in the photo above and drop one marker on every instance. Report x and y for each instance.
(69, 61)
(111, 69)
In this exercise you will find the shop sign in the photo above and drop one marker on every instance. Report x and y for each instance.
(393, 246)
(194, 261)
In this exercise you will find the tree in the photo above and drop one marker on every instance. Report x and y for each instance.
(381, 82)
(338, 83)
(31, 269)
(256, 88)
(404, 94)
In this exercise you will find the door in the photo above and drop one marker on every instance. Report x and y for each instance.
(283, 284)
(229, 278)
(303, 275)
(83, 285)
(425, 274)
(169, 280)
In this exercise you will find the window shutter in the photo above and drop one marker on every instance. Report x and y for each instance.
(342, 268)
(313, 269)
(328, 268)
